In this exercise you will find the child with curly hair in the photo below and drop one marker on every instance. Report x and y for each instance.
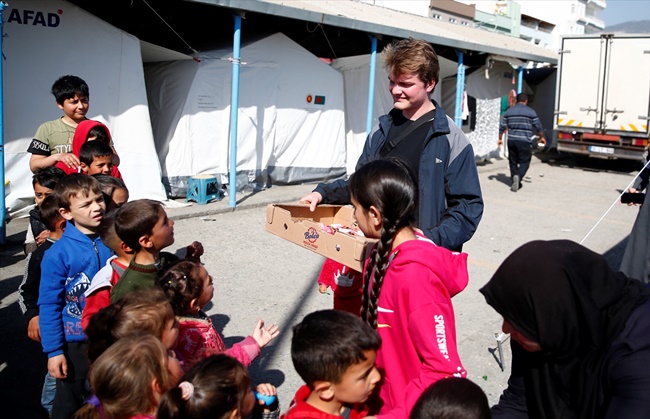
(189, 287)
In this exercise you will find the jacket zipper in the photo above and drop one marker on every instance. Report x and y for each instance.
(97, 253)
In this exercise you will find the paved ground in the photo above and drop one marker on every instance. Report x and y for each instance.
(259, 275)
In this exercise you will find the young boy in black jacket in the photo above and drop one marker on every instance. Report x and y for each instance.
(28, 290)
(43, 183)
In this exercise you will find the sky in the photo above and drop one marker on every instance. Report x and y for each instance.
(619, 11)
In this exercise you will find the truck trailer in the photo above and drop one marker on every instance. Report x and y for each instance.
(602, 97)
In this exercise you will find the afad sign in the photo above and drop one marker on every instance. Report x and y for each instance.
(35, 18)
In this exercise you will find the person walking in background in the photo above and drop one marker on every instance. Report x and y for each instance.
(522, 124)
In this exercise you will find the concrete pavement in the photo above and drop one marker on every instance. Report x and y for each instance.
(261, 275)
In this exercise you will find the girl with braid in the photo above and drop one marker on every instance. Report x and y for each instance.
(408, 285)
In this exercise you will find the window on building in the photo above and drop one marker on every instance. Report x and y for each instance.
(464, 23)
(453, 20)
(436, 16)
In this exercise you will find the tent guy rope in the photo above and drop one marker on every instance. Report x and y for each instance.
(616, 201)
(172, 29)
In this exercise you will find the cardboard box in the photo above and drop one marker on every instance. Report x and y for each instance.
(294, 222)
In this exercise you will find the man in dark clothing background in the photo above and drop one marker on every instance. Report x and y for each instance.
(522, 124)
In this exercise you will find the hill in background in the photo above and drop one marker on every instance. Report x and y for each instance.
(639, 26)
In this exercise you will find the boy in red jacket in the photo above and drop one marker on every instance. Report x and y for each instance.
(98, 295)
(88, 131)
(334, 353)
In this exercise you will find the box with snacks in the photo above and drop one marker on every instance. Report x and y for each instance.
(330, 230)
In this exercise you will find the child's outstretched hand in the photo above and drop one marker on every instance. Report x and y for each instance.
(263, 335)
(194, 250)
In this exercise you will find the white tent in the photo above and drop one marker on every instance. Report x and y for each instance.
(356, 72)
(47, 39)
(501, 78)
(490, 81)
(487, 85)
(291, 118)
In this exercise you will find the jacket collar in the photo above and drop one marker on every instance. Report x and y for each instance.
(440, 124)
(73, 232)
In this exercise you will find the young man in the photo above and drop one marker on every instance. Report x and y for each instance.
(334, 353)
(144, 227)
(28, 289)
(52, 142)
(65, 275)
(96, 158)
(522, 123)
(419, 132)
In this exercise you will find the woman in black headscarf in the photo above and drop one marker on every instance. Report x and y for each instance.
(580, 335)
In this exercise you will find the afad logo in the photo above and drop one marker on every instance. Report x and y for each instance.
(311, 235)
(35, 18)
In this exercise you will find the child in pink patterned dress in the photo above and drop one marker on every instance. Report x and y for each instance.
(189, 287)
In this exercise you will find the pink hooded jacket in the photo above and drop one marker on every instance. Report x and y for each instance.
(416, 323)
(79, 139)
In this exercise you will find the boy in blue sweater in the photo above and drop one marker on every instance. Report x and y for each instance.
(67, 268)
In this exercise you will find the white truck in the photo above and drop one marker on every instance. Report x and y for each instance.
(602, 97)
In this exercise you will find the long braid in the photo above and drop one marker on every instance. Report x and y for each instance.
(389, 188)
(380, 266)
(366, 284)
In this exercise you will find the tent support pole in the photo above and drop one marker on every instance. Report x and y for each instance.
(460, 88)
(3, 206)
(234, 111)
(520, 79)
(371, 82)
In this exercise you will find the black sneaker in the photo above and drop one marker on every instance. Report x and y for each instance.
(515, 183)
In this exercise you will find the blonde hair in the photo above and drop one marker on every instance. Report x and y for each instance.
(122, 378)
(412, 56)
(143, 311)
